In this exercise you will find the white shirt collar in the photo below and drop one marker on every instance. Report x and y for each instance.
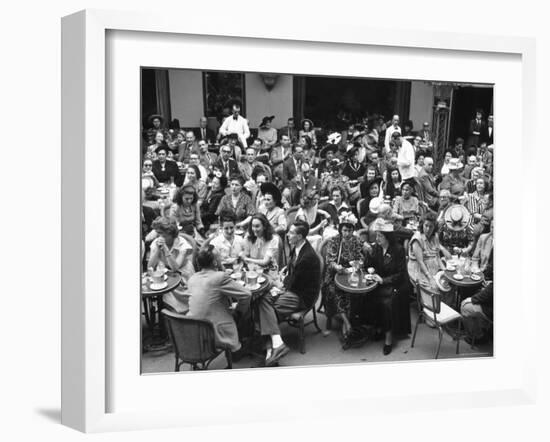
(297, 250)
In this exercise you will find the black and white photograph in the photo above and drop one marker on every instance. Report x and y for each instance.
(292, 220)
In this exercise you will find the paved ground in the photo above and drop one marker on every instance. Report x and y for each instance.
(325, 350)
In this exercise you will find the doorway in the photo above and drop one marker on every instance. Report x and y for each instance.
(466, 99)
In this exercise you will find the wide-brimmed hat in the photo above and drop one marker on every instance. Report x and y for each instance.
(266, 119)
(334, 138)
(454, 164)
(351, 149)
(457, 217)
(335, 163)
(152, 117)
(309, 121)
(272, 189)
(327, 148)
(442, 282)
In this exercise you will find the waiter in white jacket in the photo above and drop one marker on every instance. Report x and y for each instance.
(235, 124)
(389, 132)
(405, 158)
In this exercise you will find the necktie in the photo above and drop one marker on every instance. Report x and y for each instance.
(203, 134)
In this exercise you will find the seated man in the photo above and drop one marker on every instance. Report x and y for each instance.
(211, 294)
(477, 312)
(228, 245)
(301, 287)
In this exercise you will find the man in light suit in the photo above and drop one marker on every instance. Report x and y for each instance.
(300, 289)
(212, 292)
(430, 195)
(289, 130)
(235, 124)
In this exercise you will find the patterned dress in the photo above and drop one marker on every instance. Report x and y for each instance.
(338, 251)
(430, 256)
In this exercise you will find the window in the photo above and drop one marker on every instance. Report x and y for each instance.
(219, 89)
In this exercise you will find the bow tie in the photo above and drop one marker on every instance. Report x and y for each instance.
(235, 117)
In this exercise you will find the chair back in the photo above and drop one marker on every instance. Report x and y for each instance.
(193, 339)
(360, 208)
(428, 299)
(291, 214)
(322, 253)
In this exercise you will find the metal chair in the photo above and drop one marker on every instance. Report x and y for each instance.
(194, 341)
(297, 319)
(440, 314)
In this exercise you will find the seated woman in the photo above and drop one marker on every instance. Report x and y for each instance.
(193, 178)
(175, 254)
(477, 200)
(372, 189)
(406, 207)
(272, 207)
(238, 201)
(392, 186)
(212, 200)
(316, 218)
(228, 245)
(261, 247)
(340, 251)
(148, 178)
(186, 211)
(425, 254)
(387, 306)
(456, 234)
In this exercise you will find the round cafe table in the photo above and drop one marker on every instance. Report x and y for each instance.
(461, 284)
(152, 305)
(363, 287)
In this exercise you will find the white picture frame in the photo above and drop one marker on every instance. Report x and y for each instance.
(87, 214)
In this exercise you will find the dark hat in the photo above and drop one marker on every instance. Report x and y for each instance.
(329, 147)
(272, 189)
(266, 119)
(162, 147)
(309, 121)
(152, 117)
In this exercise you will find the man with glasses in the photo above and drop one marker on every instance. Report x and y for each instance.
(226, 164)
(250, 164)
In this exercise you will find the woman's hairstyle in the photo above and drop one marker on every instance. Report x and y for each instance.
(196, 169)
(223, 181)
(166, 225)
(390, 237)
(268, 229)
(406, 183)
(308, 141)
(258, 170)
(430, 217)
(239, 178)
(206, 258)
(339, 188)
(185, 190)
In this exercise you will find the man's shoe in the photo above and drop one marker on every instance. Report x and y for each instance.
(277, 354)
(387, 349)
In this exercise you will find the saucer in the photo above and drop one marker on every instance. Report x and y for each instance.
(160, 286)
(261, 279)
(451, 268)
(475, 277)
(241, 282)
(458, 277)
(252, 287)
(236, 276)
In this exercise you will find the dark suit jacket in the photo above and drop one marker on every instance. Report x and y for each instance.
(233, 167)
(304, 275)
(171, 170)
(289, 171)
(474, 139)
(429, 188)
(210, 135)
(485, 135)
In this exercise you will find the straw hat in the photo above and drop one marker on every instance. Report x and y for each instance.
(381, 225)
(457, 217)
(374, 204)
(454, 164)
(311, 126)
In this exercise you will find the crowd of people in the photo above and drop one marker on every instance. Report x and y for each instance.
(300, 203)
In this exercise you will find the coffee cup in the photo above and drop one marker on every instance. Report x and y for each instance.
(251, 278)
(157, 277)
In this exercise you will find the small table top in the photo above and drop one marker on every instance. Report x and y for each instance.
(261, 287)
(172, 281)
(466, 282)
(363, 287)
